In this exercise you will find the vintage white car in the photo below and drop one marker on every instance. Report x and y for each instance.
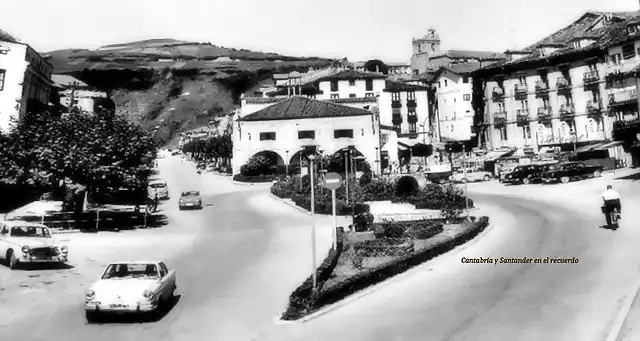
(26, 242)
(471, 176)
(130, 287)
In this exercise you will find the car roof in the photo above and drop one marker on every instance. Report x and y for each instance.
(11, 223)
(137, 262)
(156, 182)
(192, 191)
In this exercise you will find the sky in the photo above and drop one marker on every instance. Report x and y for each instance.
(356, 29)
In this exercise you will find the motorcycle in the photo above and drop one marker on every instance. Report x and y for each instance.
(611, 217)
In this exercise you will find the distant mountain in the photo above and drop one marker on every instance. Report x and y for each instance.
(174, 84)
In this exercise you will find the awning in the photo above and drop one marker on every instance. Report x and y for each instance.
(588, 147)
(493, 155)
(608, 145)
(405, 142)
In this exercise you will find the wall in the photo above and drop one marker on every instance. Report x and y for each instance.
(586, 129)
(37, 80)
(85, 98)
(422, 112)
(344, 89)
(246, 138)
(452, 106)
(15, 65)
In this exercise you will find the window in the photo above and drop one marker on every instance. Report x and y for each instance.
(397, 127)
(334, 85)
(466, 97)
(395, 96)
(343, 133)
(628, 51)
(270, 136)
(465, 79)
(352, 82)
(501, 106)
(412, 128)
(411, 96)
(439, 85)
(445, 82)
(503, 133)
(2, 74)
(616, 59)
(525, 104)
(369, 94)
(526, 132)
(335, 96)
(369, 85)
(352, 95)
(306, 134)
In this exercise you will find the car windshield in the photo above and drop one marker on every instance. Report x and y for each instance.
(190, 194)
(30, 231)
(122, 271)
(158, 185)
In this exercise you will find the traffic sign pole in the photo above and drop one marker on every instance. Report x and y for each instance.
(335, 218)
(333, 181)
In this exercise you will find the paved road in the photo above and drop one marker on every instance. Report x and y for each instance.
(248, 252)
(447, 300)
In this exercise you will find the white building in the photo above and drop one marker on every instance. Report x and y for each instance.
(25, 79)
(454, 88)
(78, 92)
(351, 88)
(282, 131)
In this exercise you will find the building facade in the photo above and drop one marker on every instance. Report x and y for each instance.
(283, 132)
(554, 94)
(454, 87)
(76, 94)
(351, 88)
(25, 79)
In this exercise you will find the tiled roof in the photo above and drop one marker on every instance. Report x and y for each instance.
(4, 36)
(612, 34)
(300, 108)
(428, 76)
(463, 69)
(392, 86)
(352, 75)
(467, 54)
(66, 80)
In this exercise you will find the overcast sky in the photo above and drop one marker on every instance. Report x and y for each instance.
(356, 29)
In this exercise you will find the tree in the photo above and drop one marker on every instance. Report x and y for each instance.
(218, 149)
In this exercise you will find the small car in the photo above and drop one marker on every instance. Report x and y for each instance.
(574, 170)
(26, 242)
(471, 176)
(524, 174)
(190, 199)
(130, 287)
(161, 188)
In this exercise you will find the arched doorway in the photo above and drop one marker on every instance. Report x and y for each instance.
(263, 162)
(357, 161)
(299, 159)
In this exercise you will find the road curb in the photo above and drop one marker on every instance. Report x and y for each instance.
(621, 318)
(376, 287)
(250, 183)
(290, 204)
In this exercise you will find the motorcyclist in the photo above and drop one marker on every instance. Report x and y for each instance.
(611, 201)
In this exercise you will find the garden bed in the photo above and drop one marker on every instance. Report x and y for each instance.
(361, 264)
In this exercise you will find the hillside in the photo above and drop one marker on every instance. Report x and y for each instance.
(177, 85)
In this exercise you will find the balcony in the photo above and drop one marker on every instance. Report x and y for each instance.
(412, 118)
(542, 89)
(591, 78)
(411, 103)
(567, 112)
(564, 85)
(626, 97)
(594, 109)
(396, 119)
(620, 71)
(500, 119)
(522, 117)
(396, 104)
(520, 91)
(497, 94)
(544, 114)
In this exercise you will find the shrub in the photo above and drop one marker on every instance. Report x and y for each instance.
(365, 179)
(254, 178)
(283, 189)
(258, 165)
(389, 229)
(362, 221)
(378, 190)
(384, 247)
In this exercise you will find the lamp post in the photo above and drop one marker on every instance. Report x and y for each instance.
(286, 164)
(300, 166)
(320, 170)
(313, 224)
(346, 175)
(466, 182)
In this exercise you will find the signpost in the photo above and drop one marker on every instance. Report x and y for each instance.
(333, 181)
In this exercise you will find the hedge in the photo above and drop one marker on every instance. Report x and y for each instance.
(374, 276)
(301, 300)
(384, 247)
(418, 229)
(255, 178)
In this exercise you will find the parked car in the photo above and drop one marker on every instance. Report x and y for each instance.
(471, 176)
(524, 174)
(567, 171)
(161, 188)
(190, 199)
(26, 242)
(130, 287)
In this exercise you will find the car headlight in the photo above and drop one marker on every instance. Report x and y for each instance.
(26, 249)
(64, 249)
(90, 294)
(148, 294)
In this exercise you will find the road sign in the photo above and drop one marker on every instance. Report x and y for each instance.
(332, 181)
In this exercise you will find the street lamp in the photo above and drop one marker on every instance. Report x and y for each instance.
(286, 164)
(313, 224)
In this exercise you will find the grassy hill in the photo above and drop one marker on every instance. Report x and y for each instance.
(177, 85)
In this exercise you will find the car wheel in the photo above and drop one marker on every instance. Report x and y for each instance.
(11, 259)
(526, 181)
(486, 178)
(597, 174)
(564, 179)
(91, 316)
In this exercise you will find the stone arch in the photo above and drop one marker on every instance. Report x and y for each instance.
(276, 160)
(335, 160)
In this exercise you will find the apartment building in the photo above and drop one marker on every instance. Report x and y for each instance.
(454, 87)
(76, 94)
(553, 93)
(25, 80)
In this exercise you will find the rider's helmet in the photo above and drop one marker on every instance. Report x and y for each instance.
(609, 187)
